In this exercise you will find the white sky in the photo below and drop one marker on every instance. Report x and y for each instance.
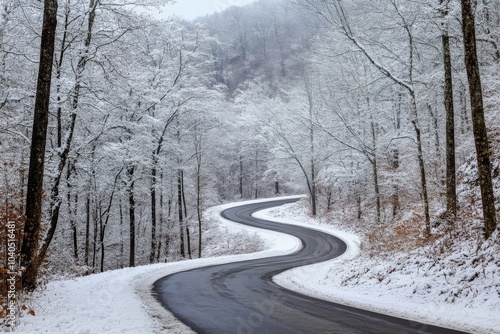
(190, 9)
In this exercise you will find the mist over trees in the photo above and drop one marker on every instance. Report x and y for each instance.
(365, 106)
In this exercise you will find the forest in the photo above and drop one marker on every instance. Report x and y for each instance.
(382, 112)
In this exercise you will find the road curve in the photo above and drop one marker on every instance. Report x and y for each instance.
(241, 297)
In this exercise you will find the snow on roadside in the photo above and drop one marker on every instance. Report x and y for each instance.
(404, 286)
(120, 301)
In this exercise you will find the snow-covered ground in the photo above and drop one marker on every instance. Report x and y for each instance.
(120, 301)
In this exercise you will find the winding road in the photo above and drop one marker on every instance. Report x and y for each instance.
(242, 298)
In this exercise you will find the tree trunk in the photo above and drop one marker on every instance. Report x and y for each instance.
(421, 165)
(437, 140)
(312, 149)
(395, 159)
(256, 175)
(87, 229)
(29, 247)
(104, 222)
(376, 188)
(153, 212)
(101, 242)
(121, 233)
(375, 166)
(167, 235)
(180, 212)
(329, 199)
(451, 192)
(58, 71)
(313, 189)
(131, 208)
(184, 205)
(423, 181)
(241, 177)
(188, 237)
(358, 206)
(464, 120)
(199, 209)
(395, 195)
(97, 213)
(162, 218)
(478, 120)
(73, 226)
(199, 212)
(72, 211)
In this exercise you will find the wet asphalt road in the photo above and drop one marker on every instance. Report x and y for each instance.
(241, 298)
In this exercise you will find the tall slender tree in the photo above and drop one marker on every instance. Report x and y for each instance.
(29, 247)
(478, 120)
(451, 193)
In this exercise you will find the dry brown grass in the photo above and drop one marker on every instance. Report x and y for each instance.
(400, 236)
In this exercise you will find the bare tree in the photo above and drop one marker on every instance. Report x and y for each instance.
(131, 211)
(451, 192)
(198, 146)
(303, 151)
(478, 120)
(104, 218)
(334, 14)
(29, 249)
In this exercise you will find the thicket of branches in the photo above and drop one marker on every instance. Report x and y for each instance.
(367, 103)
